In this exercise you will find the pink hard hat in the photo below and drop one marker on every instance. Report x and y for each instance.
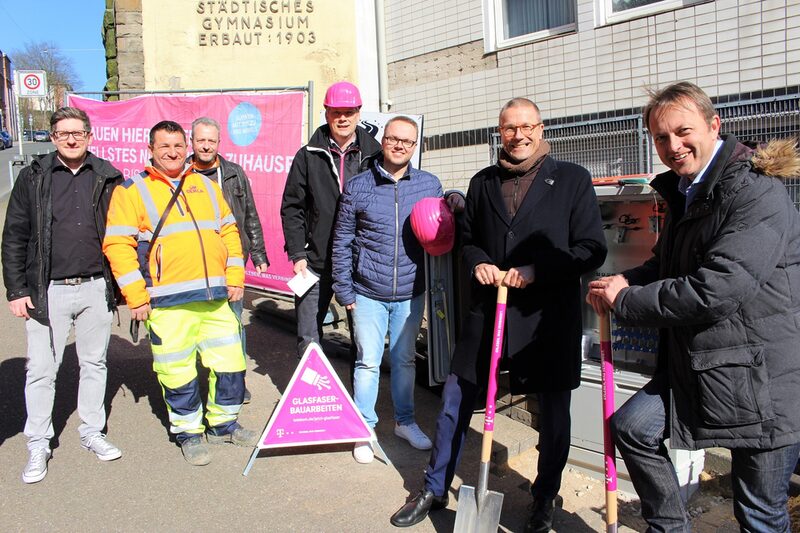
(342, 94)
(433, 225)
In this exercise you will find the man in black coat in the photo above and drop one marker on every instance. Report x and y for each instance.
(537, 219)
(337, 151)
(723, 287)
(57, 277)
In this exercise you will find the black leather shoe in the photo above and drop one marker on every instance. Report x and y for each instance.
(417, 509)
(541, 519)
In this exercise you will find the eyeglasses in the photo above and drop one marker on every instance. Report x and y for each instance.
(347, 112)
(526, 129)
(405, 143)
(64, 135)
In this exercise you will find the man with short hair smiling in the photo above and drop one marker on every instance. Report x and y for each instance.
(175, 251)
(537, 219)
(378, 275)
(56, 277)
(235, 186)
(722, 286)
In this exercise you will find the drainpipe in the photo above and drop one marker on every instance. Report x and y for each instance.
(5, 116)
(383, 76)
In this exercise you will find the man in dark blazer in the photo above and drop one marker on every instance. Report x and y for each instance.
(537, 219)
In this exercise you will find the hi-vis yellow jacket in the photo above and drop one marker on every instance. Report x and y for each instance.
(197, 254)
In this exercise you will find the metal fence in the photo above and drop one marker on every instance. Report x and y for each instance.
(762, 120)
(607, 147)
(610, 147)
(621, 145)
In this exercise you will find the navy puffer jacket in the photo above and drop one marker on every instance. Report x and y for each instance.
(375, 252)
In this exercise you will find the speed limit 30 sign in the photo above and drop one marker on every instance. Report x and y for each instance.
(32, 82)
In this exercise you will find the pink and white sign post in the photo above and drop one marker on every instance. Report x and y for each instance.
(260, 132)
(314, 409)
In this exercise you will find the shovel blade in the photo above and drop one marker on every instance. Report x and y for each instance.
(477, 517)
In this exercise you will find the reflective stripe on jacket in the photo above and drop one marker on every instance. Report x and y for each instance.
(197, 254)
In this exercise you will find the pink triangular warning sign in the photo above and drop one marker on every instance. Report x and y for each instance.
(315, 408)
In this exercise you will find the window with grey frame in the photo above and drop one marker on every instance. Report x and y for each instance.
(521, 17)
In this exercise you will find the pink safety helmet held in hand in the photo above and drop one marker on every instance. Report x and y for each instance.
(433, 225)
(342, 94)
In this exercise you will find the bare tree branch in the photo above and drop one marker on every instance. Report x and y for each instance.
(60, 70)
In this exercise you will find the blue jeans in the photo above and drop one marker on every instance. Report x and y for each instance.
(372, 319)
(760, 477)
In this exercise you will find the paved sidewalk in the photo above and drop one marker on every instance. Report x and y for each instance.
(319, 489)
(313, 489)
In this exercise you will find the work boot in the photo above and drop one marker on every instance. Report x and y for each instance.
(247, 395)
(195, 451)
(418, 508)
(239, 437)
(541, 519)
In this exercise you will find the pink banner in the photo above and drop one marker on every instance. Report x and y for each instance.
(260, 132)
(315, 408)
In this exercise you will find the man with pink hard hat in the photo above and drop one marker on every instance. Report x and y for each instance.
(337, 151)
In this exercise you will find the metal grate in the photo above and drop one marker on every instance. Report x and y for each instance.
(621, 146)
(609, 147)
(763, 120)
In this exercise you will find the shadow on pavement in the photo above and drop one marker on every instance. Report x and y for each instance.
(12, 397)
(127, 364)
(130, 371)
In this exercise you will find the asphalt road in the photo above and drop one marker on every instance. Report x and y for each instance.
(151, 488)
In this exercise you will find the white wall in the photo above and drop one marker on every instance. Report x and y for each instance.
(438, 68)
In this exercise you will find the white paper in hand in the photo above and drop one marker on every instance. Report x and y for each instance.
(300, 284)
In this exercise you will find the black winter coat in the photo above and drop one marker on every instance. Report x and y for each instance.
(311, 194)
(558, 230)
(27, 235)
(724, 287)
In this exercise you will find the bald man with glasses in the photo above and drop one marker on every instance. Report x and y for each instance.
(536, 219)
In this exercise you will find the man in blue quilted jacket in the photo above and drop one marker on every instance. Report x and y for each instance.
(378, 274)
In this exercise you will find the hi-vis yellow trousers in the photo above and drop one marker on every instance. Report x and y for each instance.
(177, 333)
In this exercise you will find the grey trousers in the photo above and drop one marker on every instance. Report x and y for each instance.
(83, 306)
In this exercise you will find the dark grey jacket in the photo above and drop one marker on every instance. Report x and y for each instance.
(724, 287)
(27, 235)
